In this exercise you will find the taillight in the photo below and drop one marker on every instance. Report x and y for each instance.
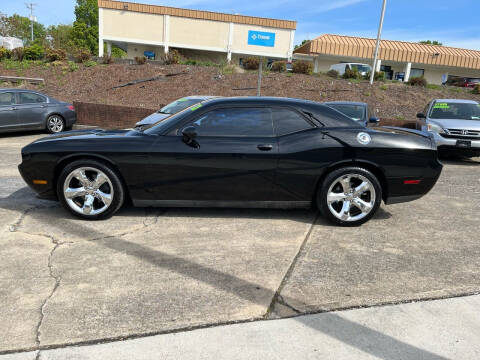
(411, 182)
(71, 107)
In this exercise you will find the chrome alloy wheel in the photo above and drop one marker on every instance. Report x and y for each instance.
(55, 124)
(351, 197)
(88, 191)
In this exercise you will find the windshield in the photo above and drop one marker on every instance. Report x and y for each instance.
(179, 105)
(354, 112)
(452, 110)
(360, 68)
(164, 124)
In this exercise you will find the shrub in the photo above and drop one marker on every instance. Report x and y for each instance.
(418, 81)
(18, 53)
(173, 57)
(90, 63)
(5, 53)
(82, 55)
(279, 66)
(351, 74)
(332, 73)
(107, 59)
(302, 67)
(251, 63)
(476, 89)
(140, 60)
(117, 52)
(34, 52)
(72, 66)
(379, 76)
(55, 55)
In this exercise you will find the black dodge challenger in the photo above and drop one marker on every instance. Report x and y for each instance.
(236, 152)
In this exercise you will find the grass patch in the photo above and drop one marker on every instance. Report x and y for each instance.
(383, 87)
(90, 63)
(434, 86)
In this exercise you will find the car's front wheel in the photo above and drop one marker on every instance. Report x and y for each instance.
(55, 124)
(90, 190)
(349, 196)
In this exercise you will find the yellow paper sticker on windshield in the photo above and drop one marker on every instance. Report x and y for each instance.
(441, 106)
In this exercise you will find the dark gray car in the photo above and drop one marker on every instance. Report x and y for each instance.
(30, 110)
(358, 111)
(172, 108)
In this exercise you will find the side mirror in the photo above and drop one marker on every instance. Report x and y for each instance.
(189, 133)
(374, 120)
(421, 116)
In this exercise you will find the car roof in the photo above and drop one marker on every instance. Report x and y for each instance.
(200, 97)
(344, 103)
(464, 101)
(261, 100)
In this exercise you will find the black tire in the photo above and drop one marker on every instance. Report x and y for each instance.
(333, 178)
(55, 124)
(118, 194)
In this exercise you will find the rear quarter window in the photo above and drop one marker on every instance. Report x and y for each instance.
(287, 121)
(330, 117)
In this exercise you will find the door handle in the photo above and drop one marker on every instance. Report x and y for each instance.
(265, 147)
(44, 106)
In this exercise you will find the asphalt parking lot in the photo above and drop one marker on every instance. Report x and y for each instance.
(148, 271)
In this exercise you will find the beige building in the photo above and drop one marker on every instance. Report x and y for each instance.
(398, 59)
(152, 30)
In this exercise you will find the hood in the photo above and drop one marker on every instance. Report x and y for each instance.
(457, 124)
(152, 119)
(83, 134)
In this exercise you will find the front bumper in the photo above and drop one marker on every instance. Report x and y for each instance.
(30, 173)
(452, 142)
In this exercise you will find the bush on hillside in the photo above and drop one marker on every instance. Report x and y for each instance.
(140, 60)
(117, 52)
(55, 55)
(107, 59)
(34, 52)
(279, 66)
(251, 63)
(476, 89)
(5, 53)
(418, 81)
(173, 57)
(351, 74)
(333, 73)
(302, 67)
(82, 55)
(379, 76)
(18, 53)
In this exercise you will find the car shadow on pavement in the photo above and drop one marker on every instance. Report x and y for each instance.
(356, 335)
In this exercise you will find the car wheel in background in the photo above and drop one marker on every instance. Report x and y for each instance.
(90, 190)
(349, 196)
(55, 124)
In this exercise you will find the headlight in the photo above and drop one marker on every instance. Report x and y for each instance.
(435, 128)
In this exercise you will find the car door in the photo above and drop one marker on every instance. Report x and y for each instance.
(232, 160)
(304, 151)
(32, 110)
(8, 112)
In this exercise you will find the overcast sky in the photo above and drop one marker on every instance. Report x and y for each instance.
(454, 23)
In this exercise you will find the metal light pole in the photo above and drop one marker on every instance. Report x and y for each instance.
(379, 34)
(32, 18)
(259, 81)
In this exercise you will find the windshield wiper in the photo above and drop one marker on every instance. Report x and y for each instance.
(313, 117)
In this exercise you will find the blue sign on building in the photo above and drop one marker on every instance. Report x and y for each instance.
(261, 38)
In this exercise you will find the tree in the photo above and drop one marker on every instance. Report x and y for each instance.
(84, 33)
(60, 34)
(19, 27)
(301, 44)
(430, 42)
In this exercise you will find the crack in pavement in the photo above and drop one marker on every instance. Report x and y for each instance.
(14, 227)
(290, 269)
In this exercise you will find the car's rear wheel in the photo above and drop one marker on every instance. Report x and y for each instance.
(90, 189)
(349, 196)
(55, 124)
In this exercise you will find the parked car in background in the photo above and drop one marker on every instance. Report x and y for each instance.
(463, 82)
(31, 110)
(10, 43)
(358, 111)
(172, 108)
(237, 152)
(454, 123)
(363, 69)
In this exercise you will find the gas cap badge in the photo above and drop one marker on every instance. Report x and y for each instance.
(363, 138)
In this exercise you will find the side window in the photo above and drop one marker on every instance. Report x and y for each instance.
(252, 122)
(7, 98)
(286, 121)
(31, 98)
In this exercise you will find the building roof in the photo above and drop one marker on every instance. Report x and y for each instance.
(400, 51)
(197, 14)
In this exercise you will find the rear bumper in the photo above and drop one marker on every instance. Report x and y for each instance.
(70, 119)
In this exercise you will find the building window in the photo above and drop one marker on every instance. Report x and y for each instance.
(417, 72)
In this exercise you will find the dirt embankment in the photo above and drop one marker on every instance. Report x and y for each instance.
(95, 84)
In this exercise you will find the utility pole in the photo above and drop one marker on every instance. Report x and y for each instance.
(30, 7)
(259, 81)
(379, 34)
